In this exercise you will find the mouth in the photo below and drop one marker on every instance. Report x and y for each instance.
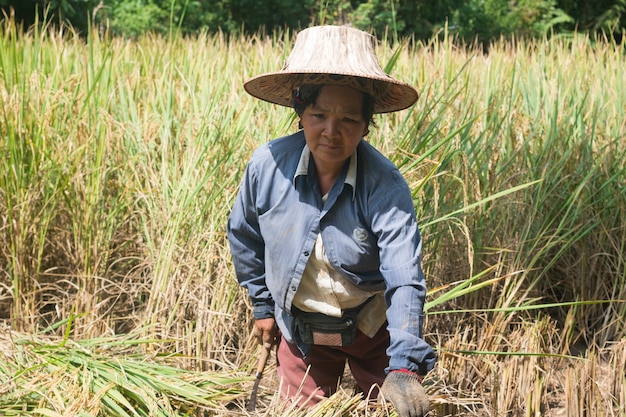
(329, 146)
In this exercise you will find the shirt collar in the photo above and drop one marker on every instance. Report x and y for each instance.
(303, 168)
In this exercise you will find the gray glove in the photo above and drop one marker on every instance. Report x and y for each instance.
(406, 393)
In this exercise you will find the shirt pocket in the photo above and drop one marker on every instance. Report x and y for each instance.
(357, 250)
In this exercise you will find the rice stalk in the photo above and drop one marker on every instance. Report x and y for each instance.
(105, 377)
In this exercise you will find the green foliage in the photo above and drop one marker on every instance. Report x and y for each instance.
(253, 15)
(484, 20)
(78, 12)
(596, 15)
(378, 15)
(613, 19)
(134, 17)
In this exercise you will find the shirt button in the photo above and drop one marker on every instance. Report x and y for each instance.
(293, 288)
(306, 253)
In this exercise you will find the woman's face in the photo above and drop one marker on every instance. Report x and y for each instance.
(334, 125)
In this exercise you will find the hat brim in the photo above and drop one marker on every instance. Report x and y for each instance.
(276, 87)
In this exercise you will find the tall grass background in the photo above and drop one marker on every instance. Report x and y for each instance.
(121, 159)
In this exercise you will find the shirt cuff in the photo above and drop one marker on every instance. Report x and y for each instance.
(262, 311)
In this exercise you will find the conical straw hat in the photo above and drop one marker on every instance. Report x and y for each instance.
(325, 55)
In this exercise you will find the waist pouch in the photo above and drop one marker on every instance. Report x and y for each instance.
(320, 329)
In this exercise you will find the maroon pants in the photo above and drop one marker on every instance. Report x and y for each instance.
(308, 380)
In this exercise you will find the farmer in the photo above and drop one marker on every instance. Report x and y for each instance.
(323, 233)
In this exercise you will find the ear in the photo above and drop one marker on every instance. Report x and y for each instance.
(366, 131)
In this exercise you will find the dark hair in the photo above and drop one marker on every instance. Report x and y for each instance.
(306, 95)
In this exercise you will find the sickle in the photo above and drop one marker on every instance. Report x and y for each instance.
(265, 353)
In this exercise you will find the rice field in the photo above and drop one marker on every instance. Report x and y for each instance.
(120, 161)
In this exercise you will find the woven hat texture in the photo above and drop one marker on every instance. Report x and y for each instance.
(333, 55)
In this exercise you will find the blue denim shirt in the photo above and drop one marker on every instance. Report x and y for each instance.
(370, 235)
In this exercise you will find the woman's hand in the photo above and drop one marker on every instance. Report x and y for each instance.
(266, 332)
(405, 391)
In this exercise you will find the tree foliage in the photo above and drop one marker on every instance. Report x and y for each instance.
(76, 12)
(482, 20)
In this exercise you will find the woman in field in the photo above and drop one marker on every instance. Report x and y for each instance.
(323, 232)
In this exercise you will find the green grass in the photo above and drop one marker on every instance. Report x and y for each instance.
(121, 159)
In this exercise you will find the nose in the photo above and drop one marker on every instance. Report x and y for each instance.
(331, 128)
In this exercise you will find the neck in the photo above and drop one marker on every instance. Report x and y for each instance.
(327, 174)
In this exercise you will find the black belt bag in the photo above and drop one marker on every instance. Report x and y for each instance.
(320, 329)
